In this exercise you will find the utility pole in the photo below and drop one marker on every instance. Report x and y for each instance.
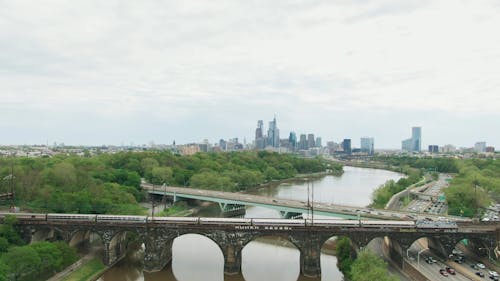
(312, 203)
(153, 203)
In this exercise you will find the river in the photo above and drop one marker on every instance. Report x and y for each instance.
(195, 257)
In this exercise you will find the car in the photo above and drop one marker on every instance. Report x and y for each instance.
(459, 260)
(479, 273)
(430, 260)
(450, 270)
(480, 265)
(443, 272)
(474, 266)
(493, 273)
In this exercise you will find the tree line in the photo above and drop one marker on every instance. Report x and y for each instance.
(110, 183)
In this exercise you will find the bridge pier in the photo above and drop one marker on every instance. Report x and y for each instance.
(290, 215)
(158, 252)
(309, 246)
(232, 259)
(231, 210)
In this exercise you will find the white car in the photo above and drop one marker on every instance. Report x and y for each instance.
(493, 273)
(480, 265)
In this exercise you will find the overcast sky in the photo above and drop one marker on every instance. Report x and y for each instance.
(113, 72)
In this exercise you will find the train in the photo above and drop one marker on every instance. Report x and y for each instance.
(250, 222)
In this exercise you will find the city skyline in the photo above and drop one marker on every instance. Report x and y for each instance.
(92, 73)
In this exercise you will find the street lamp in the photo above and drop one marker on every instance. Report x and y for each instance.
(489, 252)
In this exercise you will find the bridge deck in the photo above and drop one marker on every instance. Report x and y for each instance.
(285, 205)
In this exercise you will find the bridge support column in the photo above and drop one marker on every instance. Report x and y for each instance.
(158, 252)
(310, 254)
(232, 259)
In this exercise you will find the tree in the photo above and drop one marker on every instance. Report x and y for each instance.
(161, 175)
(344, 255)
(68, 254)
(369, 267)
(23, 263)
(50, 256)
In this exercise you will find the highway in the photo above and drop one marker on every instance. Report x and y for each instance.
(431, 271)
(287, 204)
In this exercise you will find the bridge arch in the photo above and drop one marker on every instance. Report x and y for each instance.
(200, 250)
(259, 254)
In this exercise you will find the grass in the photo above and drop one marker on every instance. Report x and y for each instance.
(87, 271)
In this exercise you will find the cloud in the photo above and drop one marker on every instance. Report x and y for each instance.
(143, 60)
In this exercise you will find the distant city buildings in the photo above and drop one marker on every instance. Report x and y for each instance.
(433, 148)
(413, 144)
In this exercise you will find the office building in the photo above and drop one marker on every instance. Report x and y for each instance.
(367, 145)
(416, 136)
(433, 148)
(413, 144)
(273, 134)
(260, 139)
(311, 142)
(318, 142)
(303, 142)
(292, 141)
(480, 147)
(346, 146)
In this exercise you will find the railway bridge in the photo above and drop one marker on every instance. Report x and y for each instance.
(231, 236)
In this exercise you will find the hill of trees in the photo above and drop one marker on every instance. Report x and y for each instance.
(110, 183)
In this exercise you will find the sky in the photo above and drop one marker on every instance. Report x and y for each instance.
(91, 72)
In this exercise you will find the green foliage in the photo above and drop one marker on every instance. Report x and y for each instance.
(383, 194)
(441, 165)
(369, 267)
(50, 256)
(110, 183)
(68, 254)
(345, 256)
(9, 234)
(22, 262)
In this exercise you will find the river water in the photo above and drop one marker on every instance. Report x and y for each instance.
(195, 257)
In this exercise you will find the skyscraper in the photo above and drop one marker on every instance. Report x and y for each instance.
(416, 136)
(413, 144)
(346, 146)
(260, 141)
(311, 141)
(303, 142)
(318, 142)
(292, 141)
(273, 134)
(259, 130)
(367, 145)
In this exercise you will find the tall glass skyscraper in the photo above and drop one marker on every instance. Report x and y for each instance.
(273, 134)
(416, 139)
(367, 145)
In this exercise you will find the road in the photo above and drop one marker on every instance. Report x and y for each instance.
(431, 271)
(276, 203)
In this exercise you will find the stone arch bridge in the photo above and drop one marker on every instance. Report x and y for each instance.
(232, 238)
